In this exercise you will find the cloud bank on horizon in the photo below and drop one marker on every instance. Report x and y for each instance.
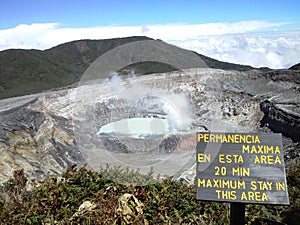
(255, 43)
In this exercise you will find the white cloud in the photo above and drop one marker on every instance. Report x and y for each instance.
(238, 42)
(26, 36)
(275, 50)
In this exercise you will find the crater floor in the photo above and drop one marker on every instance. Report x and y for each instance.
(44, 133)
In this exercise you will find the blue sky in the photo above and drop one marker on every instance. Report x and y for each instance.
(257, 32)
(87, 13)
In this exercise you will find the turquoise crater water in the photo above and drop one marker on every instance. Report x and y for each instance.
(141, 128)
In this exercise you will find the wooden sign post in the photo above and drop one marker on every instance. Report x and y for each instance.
(241, 168)
(237, 213)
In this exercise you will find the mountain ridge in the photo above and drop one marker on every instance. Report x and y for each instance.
(295, 67)
(31, 71)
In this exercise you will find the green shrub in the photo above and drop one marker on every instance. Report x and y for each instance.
(57, 200)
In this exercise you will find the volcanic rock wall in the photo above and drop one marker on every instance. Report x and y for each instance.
(166, 144)
(281, 121)
(40, 143)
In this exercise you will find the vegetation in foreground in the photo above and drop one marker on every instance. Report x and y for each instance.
(81, 196)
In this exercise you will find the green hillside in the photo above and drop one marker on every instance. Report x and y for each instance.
(216, 64)
(31, 71)
(147, 68)
(295, 67)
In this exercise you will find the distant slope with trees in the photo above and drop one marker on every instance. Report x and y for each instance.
(31, 71)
